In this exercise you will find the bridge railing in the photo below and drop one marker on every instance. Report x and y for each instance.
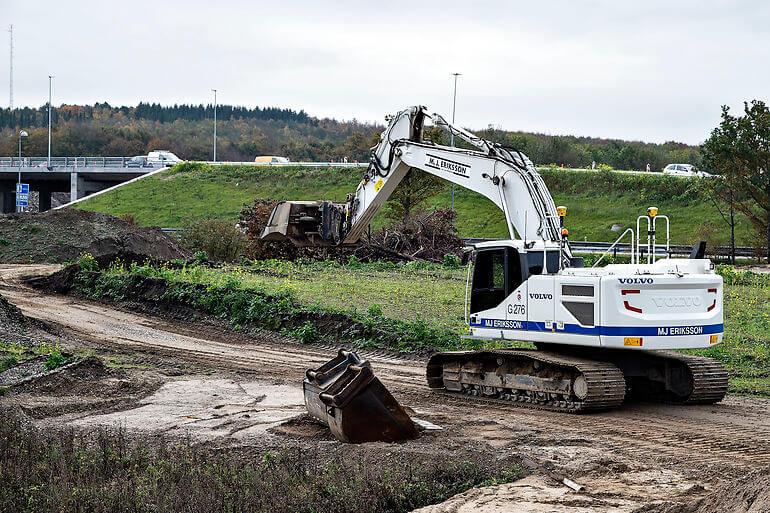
(67, 162)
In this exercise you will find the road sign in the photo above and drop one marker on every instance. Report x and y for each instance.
(22, 188)
(22, 200)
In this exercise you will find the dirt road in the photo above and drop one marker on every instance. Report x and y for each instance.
(624, 458)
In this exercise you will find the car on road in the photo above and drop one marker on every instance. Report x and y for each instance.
(162, 157)
(270, 159)
(138, 161)
(685, 170)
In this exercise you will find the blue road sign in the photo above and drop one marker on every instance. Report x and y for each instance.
(22, 188)
(22, 200)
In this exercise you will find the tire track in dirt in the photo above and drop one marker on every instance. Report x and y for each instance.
(727, 438)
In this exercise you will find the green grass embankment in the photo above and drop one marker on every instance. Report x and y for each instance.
(596, 200)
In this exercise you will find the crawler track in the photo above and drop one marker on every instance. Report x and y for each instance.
(709, 378)
(601, 384)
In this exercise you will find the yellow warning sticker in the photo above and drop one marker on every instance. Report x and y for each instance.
(378, 185)
(632, 341)
(714, 339)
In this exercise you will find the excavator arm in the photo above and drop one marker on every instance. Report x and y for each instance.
(504, 176)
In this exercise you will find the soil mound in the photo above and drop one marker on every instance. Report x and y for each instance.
(10, 314)
(749, 494)
(62, 235)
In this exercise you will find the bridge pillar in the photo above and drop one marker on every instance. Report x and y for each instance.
(7, 202)
(44, 201)
(77, 186)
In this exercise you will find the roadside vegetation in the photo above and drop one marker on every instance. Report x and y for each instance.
(414, 307)
(106, 470)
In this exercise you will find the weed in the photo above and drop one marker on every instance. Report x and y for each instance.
(55, 360)
(104, 470)
(8, 362)
(88, 263)
(306, 334)
(452, 261)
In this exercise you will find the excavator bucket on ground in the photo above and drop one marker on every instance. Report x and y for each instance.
(305, 223)
(345, 395)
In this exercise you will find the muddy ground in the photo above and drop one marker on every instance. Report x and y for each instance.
(219, 387)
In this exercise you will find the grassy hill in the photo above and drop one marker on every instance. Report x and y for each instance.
(596, 200)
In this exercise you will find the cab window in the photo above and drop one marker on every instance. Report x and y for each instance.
(497, 273)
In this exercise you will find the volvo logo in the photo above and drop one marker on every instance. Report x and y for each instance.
(635, 281)
(541, 296)
(676, 301)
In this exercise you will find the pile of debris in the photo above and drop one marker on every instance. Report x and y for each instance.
(62, 235)
(424, 236)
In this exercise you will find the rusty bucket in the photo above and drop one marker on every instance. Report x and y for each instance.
(345, 395)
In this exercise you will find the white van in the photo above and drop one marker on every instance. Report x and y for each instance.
(162, 157)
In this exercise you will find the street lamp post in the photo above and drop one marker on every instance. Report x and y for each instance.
(49, 121)
(22, 134)
(215, 124)
(451, 133)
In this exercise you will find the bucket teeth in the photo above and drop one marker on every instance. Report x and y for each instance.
(345, 395)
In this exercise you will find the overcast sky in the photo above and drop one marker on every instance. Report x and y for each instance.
(649, 70)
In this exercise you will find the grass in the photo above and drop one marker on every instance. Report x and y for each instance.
(11, 354)
(596, 200)
(64, 470)
(408, 307)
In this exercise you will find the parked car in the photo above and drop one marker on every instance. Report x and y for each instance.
(270, 159)
(138, 161)
(162, 157)
(686, 170)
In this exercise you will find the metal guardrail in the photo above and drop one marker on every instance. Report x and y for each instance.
(122, 162)
(291, 164)
(41, 163)
(625, 249)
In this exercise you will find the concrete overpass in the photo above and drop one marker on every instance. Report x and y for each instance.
(78, 176)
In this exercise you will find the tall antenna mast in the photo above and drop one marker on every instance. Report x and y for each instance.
(10, 95)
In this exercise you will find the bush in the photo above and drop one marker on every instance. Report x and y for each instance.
(88, 263)
(55, 360)
(220, 239)
(452, 261)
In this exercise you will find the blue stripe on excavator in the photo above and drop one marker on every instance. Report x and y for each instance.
(612, 331)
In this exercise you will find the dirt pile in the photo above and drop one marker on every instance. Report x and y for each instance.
(425, 236)
(62, 235)
(749, 494)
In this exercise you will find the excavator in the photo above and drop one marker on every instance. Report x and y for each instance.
(601, 334)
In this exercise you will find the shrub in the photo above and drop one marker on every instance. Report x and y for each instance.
(452, 261)
(88, 263)
(306, 334)
(55, 360)
(220, 239)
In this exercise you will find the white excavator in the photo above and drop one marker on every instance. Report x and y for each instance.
(601, 333)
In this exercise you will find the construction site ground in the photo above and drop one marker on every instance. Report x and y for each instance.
(205, 381)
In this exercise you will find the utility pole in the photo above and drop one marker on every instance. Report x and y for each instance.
(451, 133)
(49, 121)
(10, 94)
(215, 124)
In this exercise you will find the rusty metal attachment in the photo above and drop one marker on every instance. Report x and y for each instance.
(306, 223)
(345, 395)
